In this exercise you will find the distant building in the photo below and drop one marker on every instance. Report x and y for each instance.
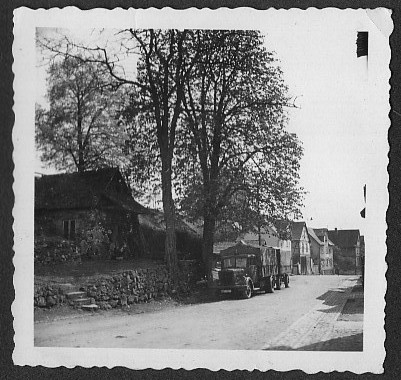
(362, 241)
(300, 247)
(322, 251)
(362, 245)
(268, 236)
(316, 248)
(348, 259)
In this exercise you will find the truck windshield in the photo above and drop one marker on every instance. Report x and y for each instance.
(235, 262)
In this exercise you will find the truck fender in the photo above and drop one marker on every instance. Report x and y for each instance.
(248, 279)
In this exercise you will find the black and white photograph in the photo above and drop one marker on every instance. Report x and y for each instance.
(201, 188)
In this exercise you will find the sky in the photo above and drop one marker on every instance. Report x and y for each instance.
(321, 68)
(317, 53)
(333, 86)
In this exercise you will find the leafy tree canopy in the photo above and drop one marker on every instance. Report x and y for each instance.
(239, 163)
(80, 130)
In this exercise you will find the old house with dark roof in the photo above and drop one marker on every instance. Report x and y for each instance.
(300, 247)
(94, 209)
(348, 257)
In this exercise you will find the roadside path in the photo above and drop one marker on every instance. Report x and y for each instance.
(335, 324)
(301, 315)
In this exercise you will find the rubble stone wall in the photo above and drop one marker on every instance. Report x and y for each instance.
(55, 250)
(121, 289)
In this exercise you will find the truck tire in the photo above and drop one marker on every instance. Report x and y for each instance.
(287, 281)
(269, 287)
(248, 291)
(278, 282)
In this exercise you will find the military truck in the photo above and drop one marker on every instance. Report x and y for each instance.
(247, 268)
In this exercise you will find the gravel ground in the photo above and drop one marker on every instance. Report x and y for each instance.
(222, 324)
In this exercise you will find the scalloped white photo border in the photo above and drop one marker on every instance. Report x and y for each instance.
(25, 353)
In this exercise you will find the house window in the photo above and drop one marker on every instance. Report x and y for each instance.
(69, 229)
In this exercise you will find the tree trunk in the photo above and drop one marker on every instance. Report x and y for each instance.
(209, 224)
(81, 163)
(169, 217)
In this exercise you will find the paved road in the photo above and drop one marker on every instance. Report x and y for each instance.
(256, 323)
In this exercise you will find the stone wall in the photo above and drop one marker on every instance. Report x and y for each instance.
(130, 287)
(53, 250)
(121, 289)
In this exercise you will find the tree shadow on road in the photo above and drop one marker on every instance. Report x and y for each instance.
(335, 298)
(332, 298)
(348, 343)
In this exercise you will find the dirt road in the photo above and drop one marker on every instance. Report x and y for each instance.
(224, 324)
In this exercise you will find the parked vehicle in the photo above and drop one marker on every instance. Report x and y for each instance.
(246, 269)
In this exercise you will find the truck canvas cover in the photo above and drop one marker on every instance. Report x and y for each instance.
(285, 262)
(241, 248)
(266, 255)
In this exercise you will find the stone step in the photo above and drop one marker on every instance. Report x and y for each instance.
(91, 307)
(82, 301)
(67, 288)
(75, 295)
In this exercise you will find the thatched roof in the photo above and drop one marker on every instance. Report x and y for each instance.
(85, 191)
(155, 220)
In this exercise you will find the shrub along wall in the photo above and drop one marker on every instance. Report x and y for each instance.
(121, 289)
(54, 249)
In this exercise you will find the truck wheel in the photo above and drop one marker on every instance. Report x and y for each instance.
(278, 282)
(269, 287)
(287, 281)
(248, 291)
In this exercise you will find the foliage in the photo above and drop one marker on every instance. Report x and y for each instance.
(238, 161)
(80, 131)
(205, 113)
(95, 241)
(162, 68)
